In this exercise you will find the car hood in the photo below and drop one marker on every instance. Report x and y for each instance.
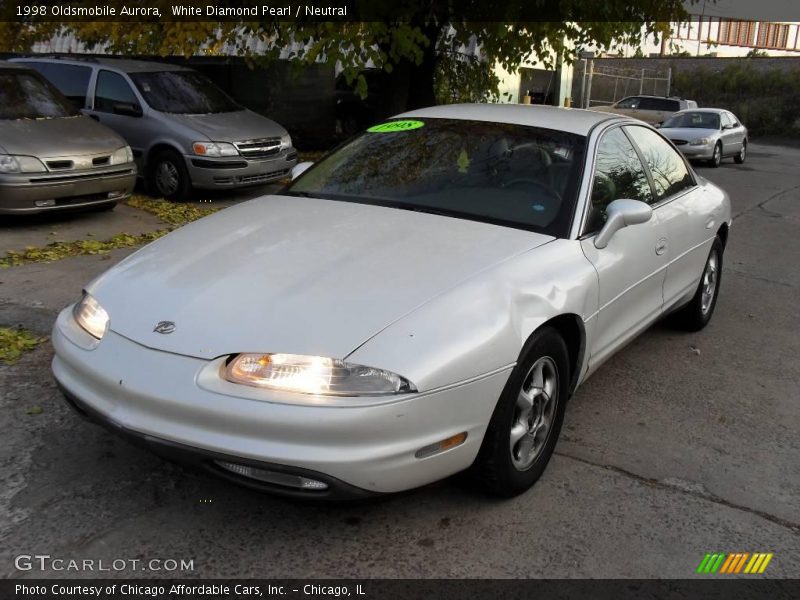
(231, 126)
(295, 275)
(46, 138)
(687, 133)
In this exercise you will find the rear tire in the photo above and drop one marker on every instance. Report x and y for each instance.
(696, 315)
(168, 176)
(739, 158)
(524, 428)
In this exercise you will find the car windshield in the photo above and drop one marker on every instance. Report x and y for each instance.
(26, 95)
(693, 120)
(524, 177)
(183, 92)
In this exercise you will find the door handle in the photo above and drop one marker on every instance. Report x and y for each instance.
(661, 246)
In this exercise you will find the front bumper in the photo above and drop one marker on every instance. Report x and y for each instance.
(237, 171)
(19, 193)
(154, 396)
(705, 152)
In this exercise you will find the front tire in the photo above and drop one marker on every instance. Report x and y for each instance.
(696, 315)
(524, 428)
(168, 176)
(716, 158)
(739, 158)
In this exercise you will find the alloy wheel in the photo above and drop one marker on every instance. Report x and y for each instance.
(534, 413)
(710, 279)
(167, 178)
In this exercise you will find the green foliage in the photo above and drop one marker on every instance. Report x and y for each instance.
(460, 78)
(766, 100)
(14, 342)
(404, 37)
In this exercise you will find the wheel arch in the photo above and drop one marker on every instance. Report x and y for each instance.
(722, 233)
(156, 148)
(571, 329)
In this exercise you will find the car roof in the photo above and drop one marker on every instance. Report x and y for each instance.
(126, 65)
(571, 120)
(4, 64)
(716, 111)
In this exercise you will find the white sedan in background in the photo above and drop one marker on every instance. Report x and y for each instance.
(422, 301)
(709, 134)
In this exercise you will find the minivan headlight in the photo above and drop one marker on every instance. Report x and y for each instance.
(122, 156)
(20, 164)
(286, 141)
(314, 375)
(92, 317)
(214, 149)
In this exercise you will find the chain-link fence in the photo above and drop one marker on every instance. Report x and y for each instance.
(603, 85)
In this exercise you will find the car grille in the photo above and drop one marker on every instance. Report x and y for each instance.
(78, 163)
(252, 179)
(260, 148)
(679, 142)
(78, 177)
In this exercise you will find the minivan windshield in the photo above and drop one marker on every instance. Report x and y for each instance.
(26, 95)
(693, 120)
(183, 92)
(507, 174)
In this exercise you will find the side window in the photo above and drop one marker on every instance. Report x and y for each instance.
(726, 121)
(632, 102)
(112, 89)
(649, 104)
(668, 105)
(618, 174)
(71, 80)
(670, 173)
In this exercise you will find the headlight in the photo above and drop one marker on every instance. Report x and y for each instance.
(700, 142)
(20, 164)
(91, 316)
(214, 149)
(122, 156)
(314, 375)
(286, 141)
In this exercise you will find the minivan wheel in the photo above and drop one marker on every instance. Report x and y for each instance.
(524, 428)
(739, 158)
(716, 158)
(168, 176)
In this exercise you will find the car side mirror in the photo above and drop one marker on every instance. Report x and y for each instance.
(622, 213)
(127, 109)
(299, 169)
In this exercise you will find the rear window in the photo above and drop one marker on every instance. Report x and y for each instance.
(27, 95)
(663, 104)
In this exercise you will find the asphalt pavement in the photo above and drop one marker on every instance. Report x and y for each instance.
(682, 444)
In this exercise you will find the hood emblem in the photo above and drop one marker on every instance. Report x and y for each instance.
(165, 327)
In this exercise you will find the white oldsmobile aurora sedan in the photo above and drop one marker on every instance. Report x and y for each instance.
(423, 301)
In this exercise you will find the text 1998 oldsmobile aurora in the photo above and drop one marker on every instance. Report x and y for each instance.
(422, 301)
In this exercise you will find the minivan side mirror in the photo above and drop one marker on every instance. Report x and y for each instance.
(299, 169)
(128, 109)
(622, 213)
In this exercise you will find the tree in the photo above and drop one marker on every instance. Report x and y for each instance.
(411, 39)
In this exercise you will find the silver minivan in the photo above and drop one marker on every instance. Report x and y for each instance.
(185, 131)
(52, 158)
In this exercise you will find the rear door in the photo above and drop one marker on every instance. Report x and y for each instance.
(632, 268)
(683, 207)
(732, 134)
